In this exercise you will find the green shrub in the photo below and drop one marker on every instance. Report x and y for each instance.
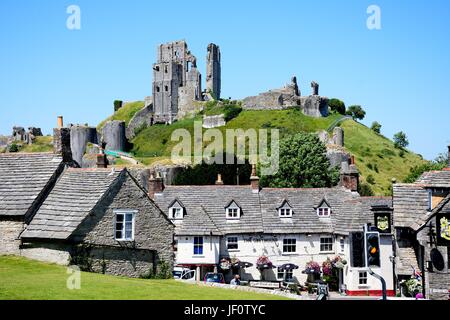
(337, 105)
(14, 147)
(365, 190)
(370, 179)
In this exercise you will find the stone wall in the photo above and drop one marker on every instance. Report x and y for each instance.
(10, 229)
(142, 118)
(437, 283)
(113, 133)
(153, 232)
(314, 106)
(58, 253)
(214, 121)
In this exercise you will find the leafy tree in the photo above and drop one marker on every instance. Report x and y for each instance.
(376, 127)
(401, 140)
(337, 105)
(356, 112)
(302, 163)
(370, 179)
(365, 190)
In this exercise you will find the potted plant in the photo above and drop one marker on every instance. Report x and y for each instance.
(312, 269)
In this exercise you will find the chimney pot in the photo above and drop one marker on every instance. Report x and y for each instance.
(219, 181)
(254, 180)
(60, 122)
(155, 185)
(102, 161)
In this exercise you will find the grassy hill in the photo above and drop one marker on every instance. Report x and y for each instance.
(23, 279)
(376, 156)
(126, 113)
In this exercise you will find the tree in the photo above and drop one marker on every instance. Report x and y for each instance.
(376, 127)
(401, 140)
(438, 164)
(302, 163)
(356, 112)
(337, 105)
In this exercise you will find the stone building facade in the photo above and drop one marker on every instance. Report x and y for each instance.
(102, 221)
(422, 232)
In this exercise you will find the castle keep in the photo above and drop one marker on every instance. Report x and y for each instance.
(177, 83)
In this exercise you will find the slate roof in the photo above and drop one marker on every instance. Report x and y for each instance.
(23, 180)
(407, 261)
(213, 199)
(205, 210)
(74, 196)
(410, 203)
(422, 219)
(437, 179)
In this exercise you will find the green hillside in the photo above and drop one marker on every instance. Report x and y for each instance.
(376, 156)
(126, 113)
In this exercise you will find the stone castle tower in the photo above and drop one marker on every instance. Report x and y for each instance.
(176, 81)
(213, 71)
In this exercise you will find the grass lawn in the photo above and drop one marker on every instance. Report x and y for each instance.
(23, 279)
(126, 113)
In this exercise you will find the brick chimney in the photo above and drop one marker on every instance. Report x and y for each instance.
(349, 175)
(254, 180)
(61, 141)
(155, 185)
(102, 160)
(219, 181)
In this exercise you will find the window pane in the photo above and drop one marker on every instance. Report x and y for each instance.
(128, 234)
(119, 218)
(119, 234)
(119, 226)
(129, 217)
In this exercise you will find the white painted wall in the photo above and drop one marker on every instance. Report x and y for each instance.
(251, 247)
(185, 252)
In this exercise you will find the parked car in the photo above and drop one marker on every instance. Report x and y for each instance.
(186, 274)
(214, 277)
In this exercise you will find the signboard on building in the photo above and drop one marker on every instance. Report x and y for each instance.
(264, 284)
(443, 229)
(383, 222)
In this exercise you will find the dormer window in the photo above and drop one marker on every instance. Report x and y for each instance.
(176, 211)
(285, 211)
(233, 211)
(323, 209)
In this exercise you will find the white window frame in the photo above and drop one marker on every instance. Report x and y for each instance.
(342, 245)
(280, 275)
(291, 242)
(362, 278)
(233, 242)
(331, 243)
(324, 212)
(124, 213)
(285, 212)
(233, 212)
(430, 200)
(198, 246)
(174, 216)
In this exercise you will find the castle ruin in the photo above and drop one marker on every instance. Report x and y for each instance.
(177, 83)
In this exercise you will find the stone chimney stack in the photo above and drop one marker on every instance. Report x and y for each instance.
(102, 160)
(155, 185)
(254, 180)
(349, 175)
(219, 181)
(61, 141)
(60, 122)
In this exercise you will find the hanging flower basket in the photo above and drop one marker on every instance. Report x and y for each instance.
(312, 267)
(263, 263)
(225, 264)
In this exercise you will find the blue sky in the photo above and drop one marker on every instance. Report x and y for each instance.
(399, 74)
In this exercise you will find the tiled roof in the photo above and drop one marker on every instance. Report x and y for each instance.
(214, 199)
(74, 196)
(410, 203)
(23, 179)
(422, 219)
(407, 261)
(438, 179)
(205, 209)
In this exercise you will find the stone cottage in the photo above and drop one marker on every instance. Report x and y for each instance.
(26, 179)
(422, 230)
(101, 220)
(286, 225)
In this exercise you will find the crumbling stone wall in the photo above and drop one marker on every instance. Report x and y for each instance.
(214, 121)
(141, 119)
(80, 136)
(213, 72)
(113, 134)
